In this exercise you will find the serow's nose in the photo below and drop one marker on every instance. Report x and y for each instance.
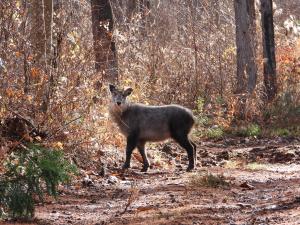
(119, 103)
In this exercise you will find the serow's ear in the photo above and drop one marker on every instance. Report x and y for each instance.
(128, 91)
(112, 88)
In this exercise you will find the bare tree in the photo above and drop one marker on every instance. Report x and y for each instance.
(268, 48)
(245, 42)
(104, 45)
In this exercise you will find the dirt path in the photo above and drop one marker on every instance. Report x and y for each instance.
(264, 188)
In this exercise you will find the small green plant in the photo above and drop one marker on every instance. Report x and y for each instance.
(17, 199)
(209, 180)
(28, 170)
(202, 119)
(253, 130)
(200, 105)
(215, 133)
(281, 132)
(220, 100)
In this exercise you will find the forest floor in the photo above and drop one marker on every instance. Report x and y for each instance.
(256, 182)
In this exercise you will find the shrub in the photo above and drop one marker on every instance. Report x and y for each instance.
(215, 133)
(28, 170)
(16, 197)
(253, 130)
(201, 117)
(209, 180)
(281, 132)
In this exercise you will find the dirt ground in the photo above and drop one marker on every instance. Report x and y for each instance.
(263, 179)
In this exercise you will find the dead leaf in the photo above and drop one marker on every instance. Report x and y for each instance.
(34, 72)
(144, 208)
(138, 157)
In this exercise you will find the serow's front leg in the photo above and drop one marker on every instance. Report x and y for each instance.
(131, 144)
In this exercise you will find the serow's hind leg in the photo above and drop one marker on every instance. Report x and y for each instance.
(184, 142)
(195, 153)
(141, 148)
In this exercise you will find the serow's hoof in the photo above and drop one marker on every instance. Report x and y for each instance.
(190, 168)
(145, 169)
(125, 167)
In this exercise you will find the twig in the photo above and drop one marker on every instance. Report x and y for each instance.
(62, 127)
(133, 196)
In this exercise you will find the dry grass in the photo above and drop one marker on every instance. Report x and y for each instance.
(209, 180)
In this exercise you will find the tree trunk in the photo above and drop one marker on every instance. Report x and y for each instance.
(104, 45)
(137, 6)
(215, 4)
(144, 9)
(41, 12)
(192, 8)
(246, 53)
(48, 21)
(35, 9)
(246, 45)
(268, 49)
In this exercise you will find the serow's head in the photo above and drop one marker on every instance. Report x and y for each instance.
(119, 96)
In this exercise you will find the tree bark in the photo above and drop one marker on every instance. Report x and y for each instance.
(268, 49)
(35, 9)
(246, 45)
(137, 6)
(246, 53)
(104, 45)
(48, 21)
(215, 4)
(41, 13)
